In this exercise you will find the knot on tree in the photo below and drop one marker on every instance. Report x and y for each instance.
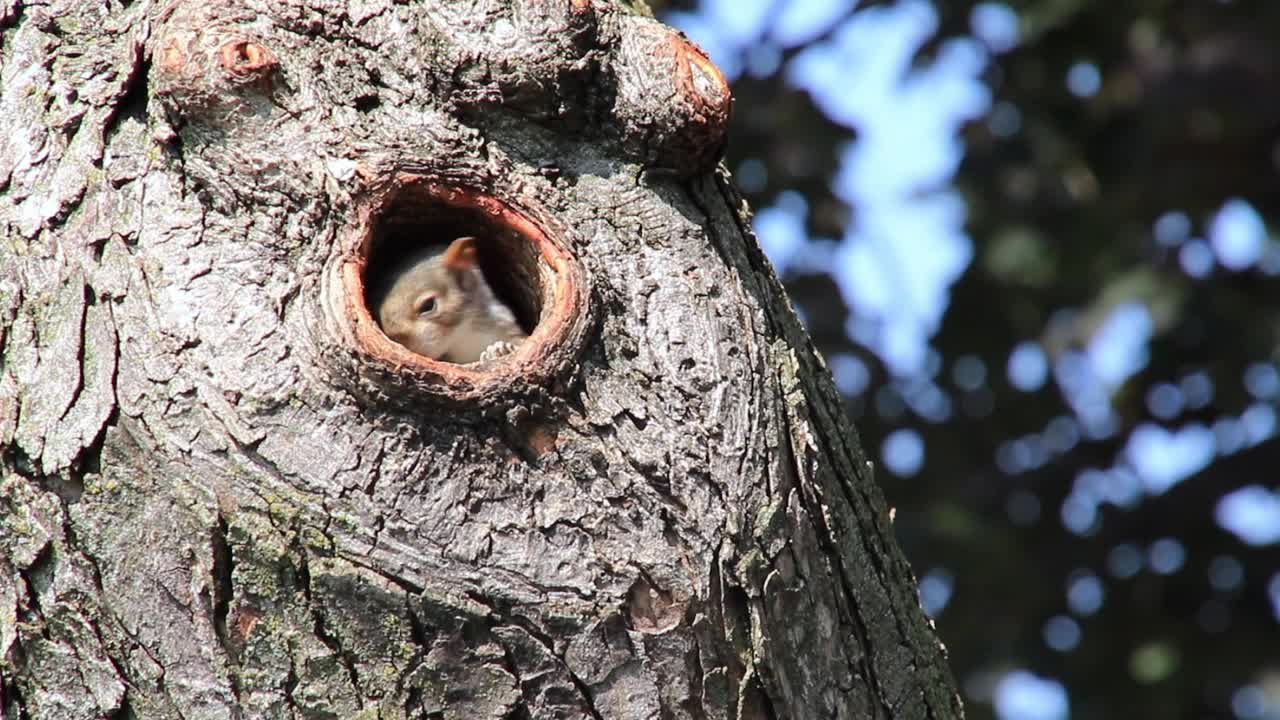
(673, 103)
(201, 70)
(247, 60)
(539, 58)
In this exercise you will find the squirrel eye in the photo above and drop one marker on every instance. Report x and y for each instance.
(427, 305)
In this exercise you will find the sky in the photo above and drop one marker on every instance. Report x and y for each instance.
(907, 120)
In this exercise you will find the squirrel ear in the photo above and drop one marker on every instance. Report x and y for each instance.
(461, 254)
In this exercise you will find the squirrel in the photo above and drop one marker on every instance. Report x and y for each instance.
(438, 304)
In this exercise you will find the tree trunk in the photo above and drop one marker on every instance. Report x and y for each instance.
(225, 494)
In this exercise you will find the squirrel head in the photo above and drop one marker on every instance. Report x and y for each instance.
(429, 298)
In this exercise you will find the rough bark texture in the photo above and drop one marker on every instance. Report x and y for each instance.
(224, 495)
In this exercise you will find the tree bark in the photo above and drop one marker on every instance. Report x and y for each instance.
(224, 494)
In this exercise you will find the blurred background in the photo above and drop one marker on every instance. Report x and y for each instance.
(1036, 242)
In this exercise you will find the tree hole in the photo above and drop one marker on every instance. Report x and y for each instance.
(525, 256)
(419, 216)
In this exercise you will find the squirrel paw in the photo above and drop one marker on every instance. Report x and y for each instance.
(498, 349)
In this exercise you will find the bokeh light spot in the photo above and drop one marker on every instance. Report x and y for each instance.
(1152, 662)
(935, 591)
(1085, 593)
(1084, 79)
(1062, 633)
(903, 452)
(1028, 367)
(1022, 695)
(1251, 513)
(1166, 556)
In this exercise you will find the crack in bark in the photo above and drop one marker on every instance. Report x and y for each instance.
(82, 328)
(133, 96)
(322, 633)
(289, 685)
(693, 660)
(160, 667)
(421, 638)
(222, 571)
(734, 670)
(35, 613)
(95, 572)
(548, 644)
(519, 711)
(403, 583)
(9, 689)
